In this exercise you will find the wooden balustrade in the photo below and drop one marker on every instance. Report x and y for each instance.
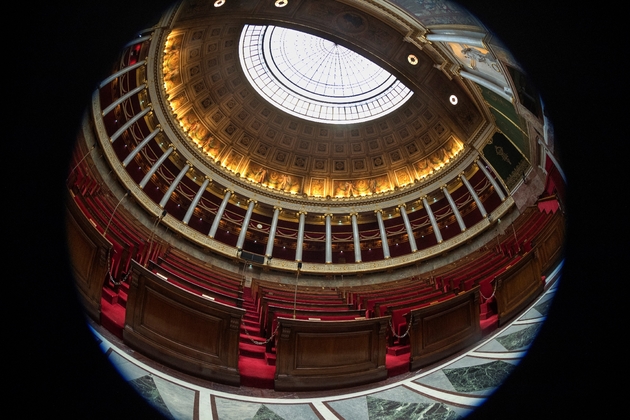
(181, 329)
(314, 355)
(89, 252)
(440, 330)
(518, 286)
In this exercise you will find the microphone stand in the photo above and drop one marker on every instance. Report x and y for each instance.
(114, 212)
(155, 225)
(297, 275)
(82, 159)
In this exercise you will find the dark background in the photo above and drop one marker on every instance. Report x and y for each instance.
(57, 52)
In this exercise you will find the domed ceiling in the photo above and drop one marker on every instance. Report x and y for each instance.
(221, 118)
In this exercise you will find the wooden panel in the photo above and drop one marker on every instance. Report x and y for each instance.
(313, 355)
(88, 258)
(550, 243)
(518, 286)
(182, 329)
(203, 332)
(443, 329)
(344, 349)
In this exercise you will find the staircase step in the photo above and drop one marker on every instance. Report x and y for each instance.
(251, 329)
(251, 350)
(110, 296)
(251, 321)
(271, 358)
(245, 338)
(398, 350)
(122, 298)
(125, 286)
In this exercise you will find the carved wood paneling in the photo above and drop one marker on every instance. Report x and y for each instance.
(518, 286)
(315, 355)
(88, 251)
(442, 329)
(181, 329)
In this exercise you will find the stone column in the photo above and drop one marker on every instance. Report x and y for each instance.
(328, 216)
(123, 98)
(436, 228)
(138, 40)
(491, 179)
(412, 239)
(241, 236)
(272, 231)
(219, 215)
(193, 204)
(300, 236)
(155, 166)
(503, 91)
(461, 37)
(458, 216)
(472, 191)
(129, 123)
(174, 184)
(356, 237)
(121, 72)
(381, 228)
(139, 147)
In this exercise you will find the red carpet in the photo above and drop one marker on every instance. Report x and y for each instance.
(397, 365)
(256, 372)
(489, 325)
(112, 318)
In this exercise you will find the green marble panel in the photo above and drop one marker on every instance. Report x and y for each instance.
(543, 307)
(264, 413)
(519, 339)
(506, 160)
(380, 409)
(479, 377)
(145, 386)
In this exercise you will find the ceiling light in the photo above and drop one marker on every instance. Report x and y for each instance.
(281, 3)
(413, 60)
(219, 3)
(453, 99)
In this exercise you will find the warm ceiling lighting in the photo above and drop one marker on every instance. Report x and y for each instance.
(281, 3)
(413, 60)
(453, 99)
(219, 3)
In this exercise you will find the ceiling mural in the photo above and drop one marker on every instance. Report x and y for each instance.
(437, 12)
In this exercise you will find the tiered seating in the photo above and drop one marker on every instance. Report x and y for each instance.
(198, 285)
(256, 364)
(215, 274)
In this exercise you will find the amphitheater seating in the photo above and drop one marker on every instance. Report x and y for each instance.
(265, 302)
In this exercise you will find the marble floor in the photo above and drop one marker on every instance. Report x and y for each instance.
(449, 390)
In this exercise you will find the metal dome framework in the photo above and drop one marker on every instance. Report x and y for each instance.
(316, 79)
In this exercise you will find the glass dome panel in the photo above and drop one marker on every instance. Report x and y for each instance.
(317, 79)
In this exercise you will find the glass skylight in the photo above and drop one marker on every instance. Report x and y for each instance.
(316, 79)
